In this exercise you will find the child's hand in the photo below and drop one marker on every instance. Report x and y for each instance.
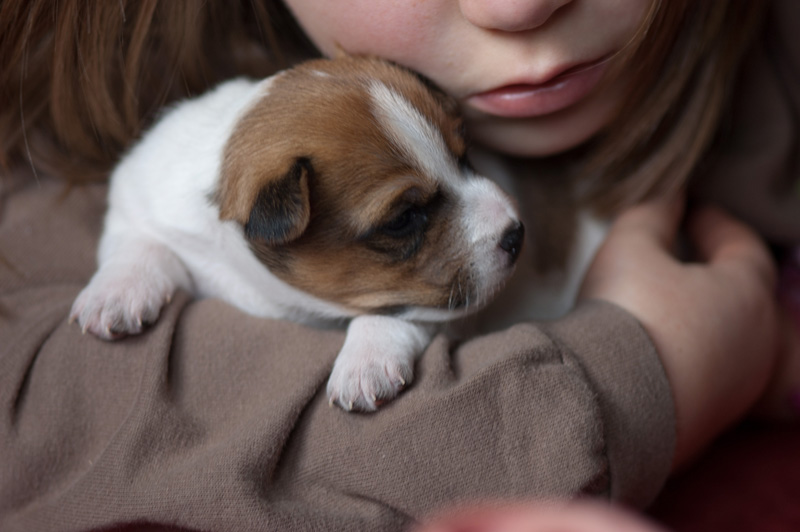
(715, 323)
(582, 515)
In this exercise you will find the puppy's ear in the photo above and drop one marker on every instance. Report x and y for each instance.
(275, 211)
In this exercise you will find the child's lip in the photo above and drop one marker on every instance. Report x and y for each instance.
(526, 98)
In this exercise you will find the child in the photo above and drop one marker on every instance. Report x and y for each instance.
(216, 420)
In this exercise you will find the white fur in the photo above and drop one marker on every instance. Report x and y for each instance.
(161, 192)
(376, 361)
(412, 133)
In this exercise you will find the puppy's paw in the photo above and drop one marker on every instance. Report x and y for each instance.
(376, 361)
(366, 376)
(118, 303)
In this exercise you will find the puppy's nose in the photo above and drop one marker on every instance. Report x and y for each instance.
(512, 240)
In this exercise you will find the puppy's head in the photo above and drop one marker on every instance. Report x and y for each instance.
(350, 180)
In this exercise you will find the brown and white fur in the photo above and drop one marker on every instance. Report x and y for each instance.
(335, 190)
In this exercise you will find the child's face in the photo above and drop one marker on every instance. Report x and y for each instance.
(498, 57)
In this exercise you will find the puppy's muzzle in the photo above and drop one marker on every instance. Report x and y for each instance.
(511, 241)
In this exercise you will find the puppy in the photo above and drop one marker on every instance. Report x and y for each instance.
(335, 190)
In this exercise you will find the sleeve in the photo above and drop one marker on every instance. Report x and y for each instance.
(753, 169)
(213, 419)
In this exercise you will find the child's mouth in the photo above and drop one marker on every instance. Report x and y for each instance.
(527, 100)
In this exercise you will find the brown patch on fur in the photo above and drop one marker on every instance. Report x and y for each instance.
(358, 185)
(378, 270)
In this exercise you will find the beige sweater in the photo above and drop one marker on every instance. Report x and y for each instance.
(214, 419)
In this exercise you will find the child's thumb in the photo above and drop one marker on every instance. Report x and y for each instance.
(720, 239)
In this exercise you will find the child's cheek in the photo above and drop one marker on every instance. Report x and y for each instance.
(385, 29)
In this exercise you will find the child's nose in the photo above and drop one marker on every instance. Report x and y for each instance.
(510, 15)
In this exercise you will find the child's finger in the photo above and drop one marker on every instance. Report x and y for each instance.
(720, 239)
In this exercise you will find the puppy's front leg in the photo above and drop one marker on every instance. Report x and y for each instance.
(376, 361)
(136, 277)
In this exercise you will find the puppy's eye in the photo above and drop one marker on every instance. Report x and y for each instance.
(407, 223)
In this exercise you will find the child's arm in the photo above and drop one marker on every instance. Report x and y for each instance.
(715, 323)
(212, 414)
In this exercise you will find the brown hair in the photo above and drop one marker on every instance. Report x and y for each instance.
(685, 60)
(85, 77)
(80, 79)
